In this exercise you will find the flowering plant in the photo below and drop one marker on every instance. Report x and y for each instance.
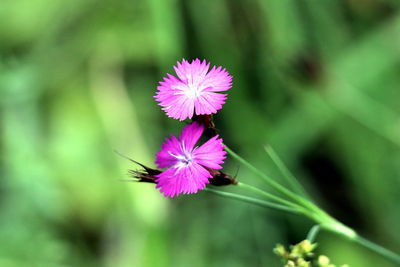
(194, 91)
(188, 165)
(194, 94)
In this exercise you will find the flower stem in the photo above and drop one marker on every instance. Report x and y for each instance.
(293, 182)
(325, 221)
(378, 249)
(390, 255)
(308, 209)
(300, 200)
(258, 202)
(271, 196)
(312, 234)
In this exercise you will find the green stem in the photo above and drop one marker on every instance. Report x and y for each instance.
(312, 234)
(271, 196)
(251, 200)
(293, 182)
(378, 249)
(300, 200)
(390, 255)
(308, 209)
(326, 222)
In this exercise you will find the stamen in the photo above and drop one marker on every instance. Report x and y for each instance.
(184, 159)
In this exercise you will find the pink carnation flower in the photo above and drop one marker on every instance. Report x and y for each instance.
(194, 91)
(187, 165)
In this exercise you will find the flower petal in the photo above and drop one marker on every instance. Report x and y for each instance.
(211, 154)
(186, 180)
(192, 73)
(209, 103)
(217, 80)
(164, 158)
(194, 90)
(190, 135)
(172, 97)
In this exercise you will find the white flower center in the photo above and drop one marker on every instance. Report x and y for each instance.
(193, 91)
(184, 159)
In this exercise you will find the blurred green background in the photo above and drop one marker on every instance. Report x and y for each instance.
(317, 80)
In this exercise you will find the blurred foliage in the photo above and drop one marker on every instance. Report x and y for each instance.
(317, 80)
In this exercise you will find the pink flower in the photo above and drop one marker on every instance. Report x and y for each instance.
(194, 91)
(186, 164)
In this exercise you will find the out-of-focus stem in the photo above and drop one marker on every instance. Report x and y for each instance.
(271, 196)
(312, 234)
(293, 196)
(293, 182)
(378, 249)
(258, 202)
(354, 237)
(308, 209)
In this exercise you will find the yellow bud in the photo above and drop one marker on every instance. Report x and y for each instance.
(280, 251)
(290, 264)
(323, 260)
(303, 263)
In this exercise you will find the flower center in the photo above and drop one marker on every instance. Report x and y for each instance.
(187, 159)
(184, 159)
(193, 91)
